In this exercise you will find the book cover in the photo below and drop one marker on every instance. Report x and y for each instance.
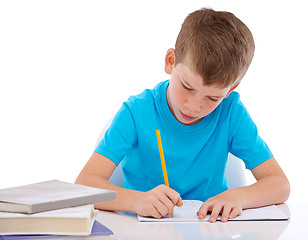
(50, 195)
(67, 221)
(98, 231)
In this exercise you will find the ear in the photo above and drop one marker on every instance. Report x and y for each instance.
(234, 87)
(169, 60)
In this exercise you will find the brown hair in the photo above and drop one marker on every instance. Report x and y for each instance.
(216, 45)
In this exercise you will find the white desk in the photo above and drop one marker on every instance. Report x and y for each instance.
(126, 226)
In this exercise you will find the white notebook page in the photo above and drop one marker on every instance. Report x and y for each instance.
(188, 213)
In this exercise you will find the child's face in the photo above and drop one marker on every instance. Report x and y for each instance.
(188, 99)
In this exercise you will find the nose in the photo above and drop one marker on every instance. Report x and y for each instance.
(193, 104)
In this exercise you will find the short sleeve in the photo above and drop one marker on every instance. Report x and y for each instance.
(244, 140)
(120, 137)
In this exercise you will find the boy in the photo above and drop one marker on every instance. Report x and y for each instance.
(201, 120)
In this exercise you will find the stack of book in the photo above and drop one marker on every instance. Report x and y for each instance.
(52, 209)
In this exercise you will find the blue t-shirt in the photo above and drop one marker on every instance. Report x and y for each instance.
(195, 155)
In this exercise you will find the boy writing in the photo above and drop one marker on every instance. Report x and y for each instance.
(201, 119)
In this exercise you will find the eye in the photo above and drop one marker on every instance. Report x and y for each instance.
(213, 99)
(187, 88)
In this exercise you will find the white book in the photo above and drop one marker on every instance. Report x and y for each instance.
(50, 195)
(67, 221)
(188, 213)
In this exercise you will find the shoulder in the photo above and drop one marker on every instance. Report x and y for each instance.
(233, 110)
(232, 103)
(233, 98)
(147, 97)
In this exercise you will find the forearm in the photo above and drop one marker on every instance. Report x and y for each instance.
(125, 198)
(272, 187)
(157, 202)
(269, 190)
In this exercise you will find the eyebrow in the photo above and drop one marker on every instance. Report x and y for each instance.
(183, 80)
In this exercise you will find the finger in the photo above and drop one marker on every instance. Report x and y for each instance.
(152, 212)
(225, 213)
(156, 208)
(173, 195)
(158, 202)
(203, 211)
(166, 206)
(215, 212)
(179, 202)
(164, 209)
(156, 214)
(235, 212)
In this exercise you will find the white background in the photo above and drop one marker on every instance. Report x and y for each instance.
(66, 67)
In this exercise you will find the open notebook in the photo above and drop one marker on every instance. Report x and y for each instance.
(187, 213)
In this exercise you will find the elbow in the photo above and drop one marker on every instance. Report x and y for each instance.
(82, 179)
(285, 190)
(79, 180)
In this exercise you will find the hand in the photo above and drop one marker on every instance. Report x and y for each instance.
(226, 204)
(158, 202)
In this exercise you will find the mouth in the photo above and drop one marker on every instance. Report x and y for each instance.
(187, 118)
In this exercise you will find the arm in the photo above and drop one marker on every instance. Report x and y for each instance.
(157, 202)
(272, 187)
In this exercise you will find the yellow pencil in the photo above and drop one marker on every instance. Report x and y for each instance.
(162, 159)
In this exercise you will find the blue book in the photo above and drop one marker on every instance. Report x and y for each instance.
(98, 230)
